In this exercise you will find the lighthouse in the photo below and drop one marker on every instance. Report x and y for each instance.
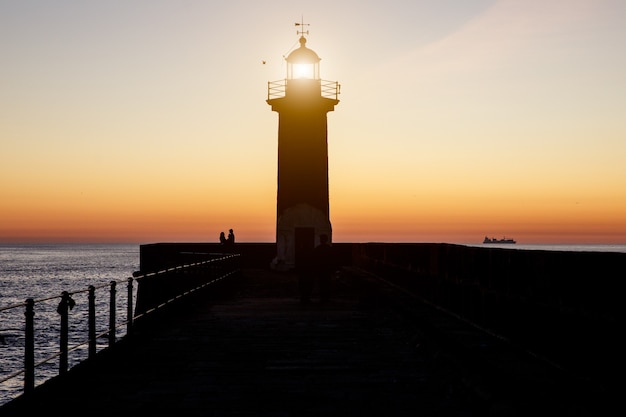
(302, 101)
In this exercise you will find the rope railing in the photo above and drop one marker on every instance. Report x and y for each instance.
(212, 271)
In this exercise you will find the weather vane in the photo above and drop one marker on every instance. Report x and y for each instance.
(300, 31)
(302, 25)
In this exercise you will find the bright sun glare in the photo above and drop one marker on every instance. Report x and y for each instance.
(303, 71)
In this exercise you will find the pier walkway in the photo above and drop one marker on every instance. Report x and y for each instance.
(256, 350)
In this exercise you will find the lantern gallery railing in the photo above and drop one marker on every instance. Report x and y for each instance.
(278, 89)
(91, 316)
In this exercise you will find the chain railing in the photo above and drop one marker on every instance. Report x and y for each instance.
(211, 271)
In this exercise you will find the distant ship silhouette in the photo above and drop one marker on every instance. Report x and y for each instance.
(494, 240)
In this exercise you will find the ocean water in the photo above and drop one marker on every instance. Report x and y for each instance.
(43, 272)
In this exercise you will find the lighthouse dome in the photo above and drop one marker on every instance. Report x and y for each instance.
(303, 55)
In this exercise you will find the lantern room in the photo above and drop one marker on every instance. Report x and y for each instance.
(303, 63)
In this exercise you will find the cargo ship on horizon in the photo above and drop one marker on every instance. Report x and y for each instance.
(494, 240)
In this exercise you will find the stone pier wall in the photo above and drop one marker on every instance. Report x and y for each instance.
(154, 290)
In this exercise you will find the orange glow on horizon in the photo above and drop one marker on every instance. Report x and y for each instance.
(365, 223)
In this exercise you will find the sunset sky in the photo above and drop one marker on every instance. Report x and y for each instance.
(145, 121)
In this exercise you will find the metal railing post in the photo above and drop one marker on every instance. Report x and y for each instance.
(112, 315)
(129, 308)
(92, 321)
(29, 347)
(63, 309)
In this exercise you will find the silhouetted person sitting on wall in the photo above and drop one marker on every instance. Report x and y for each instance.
(229, 242)
(323, 262)
(222, 238)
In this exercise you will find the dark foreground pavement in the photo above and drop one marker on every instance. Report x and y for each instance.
(257, 351)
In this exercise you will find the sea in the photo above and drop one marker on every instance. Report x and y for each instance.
(44, 271)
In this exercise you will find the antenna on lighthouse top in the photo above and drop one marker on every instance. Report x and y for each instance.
(302, 25)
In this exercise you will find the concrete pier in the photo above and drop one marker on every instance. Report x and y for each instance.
(382, 346)
(250, 348)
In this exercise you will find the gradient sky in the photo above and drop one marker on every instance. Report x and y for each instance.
(145, 121)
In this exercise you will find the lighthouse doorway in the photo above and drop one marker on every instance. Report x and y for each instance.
(304, 244)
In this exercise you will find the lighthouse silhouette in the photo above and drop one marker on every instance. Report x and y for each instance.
(302, 101)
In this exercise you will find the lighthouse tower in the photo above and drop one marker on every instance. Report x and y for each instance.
(302, 101)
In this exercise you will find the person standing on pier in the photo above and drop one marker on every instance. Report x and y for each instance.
(231, 237)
